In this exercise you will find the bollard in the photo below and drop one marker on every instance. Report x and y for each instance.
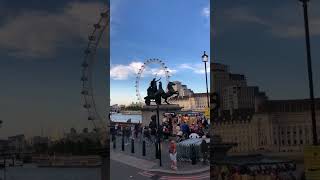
(143, 148)
(193, 155)
(122, 145)
(132, 145)
(114, 143)
(113, 137)
(156, 149)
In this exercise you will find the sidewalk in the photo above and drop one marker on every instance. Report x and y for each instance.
(149, 162)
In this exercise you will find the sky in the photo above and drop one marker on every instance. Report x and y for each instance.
(265, 41)
(41, 50)
(175, 31)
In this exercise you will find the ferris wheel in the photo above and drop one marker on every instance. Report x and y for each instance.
(147, 63)
(87, 91)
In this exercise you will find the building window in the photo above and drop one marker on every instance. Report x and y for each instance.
(282, 142)
(275, 142)
(295, 142)
(301, 141)
(289, 142)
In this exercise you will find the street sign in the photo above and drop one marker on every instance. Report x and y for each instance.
(312, 162)
(207, 113)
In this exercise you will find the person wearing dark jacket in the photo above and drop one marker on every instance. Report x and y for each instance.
(204, 150)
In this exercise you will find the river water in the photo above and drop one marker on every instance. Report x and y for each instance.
(124, 117)
(31, 172)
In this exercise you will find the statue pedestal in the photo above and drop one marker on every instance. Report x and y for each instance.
(148, 111)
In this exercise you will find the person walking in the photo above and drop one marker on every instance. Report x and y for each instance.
(204, 150)
(173, 154)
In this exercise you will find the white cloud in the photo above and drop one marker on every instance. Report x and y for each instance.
(195, 68)
(123, 72)
(39, 33)
(206, 11)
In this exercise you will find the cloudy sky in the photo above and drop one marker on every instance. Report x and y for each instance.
(175, 31)
(265, 41)
(41, 50)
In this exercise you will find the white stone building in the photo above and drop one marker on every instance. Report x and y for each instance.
(195, 102)
(283, 126)
(182, 89)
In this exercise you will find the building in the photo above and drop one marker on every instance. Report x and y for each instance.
(4, 145)
(75, 136)
(223, 81)
(256, 124)
(242, 98)
(194, 102)
(182, 89)
(17, 143)
(280, 126)
(115, 108)
(235, 96)
(40, 140)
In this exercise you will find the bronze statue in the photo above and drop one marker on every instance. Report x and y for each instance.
(157, 94)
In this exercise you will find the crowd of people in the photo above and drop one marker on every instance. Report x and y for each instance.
(180, 126)
(173, 127)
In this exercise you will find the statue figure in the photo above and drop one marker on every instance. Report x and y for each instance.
(170, 92)
(158, 93)
(153, 84)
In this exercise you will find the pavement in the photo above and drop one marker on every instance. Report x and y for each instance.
(123, 171)
(149, 165)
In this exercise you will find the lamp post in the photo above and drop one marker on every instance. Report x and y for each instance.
(159, 140)
(312, 103)
(205, 60)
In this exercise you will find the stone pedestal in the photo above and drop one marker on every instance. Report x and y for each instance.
(148, 111)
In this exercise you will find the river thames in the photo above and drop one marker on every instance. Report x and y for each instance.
(31, 172)
(119, 117)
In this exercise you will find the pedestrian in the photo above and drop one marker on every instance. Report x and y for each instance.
(204, 149)
(116, 128)
(177, 128)
(128, 133)
(173, 154)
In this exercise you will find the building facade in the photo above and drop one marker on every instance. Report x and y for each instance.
(17, 143)
(282, 126)
(182, 89)
(194, 102)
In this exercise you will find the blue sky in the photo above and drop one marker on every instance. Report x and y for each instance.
(265, 41)
(176, 32)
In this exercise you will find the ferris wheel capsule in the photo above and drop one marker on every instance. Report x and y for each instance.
(87, 51)
(87, 106)
(85, 92)
(92, 38)
(91, 118)
(83, 78)
(84, 64)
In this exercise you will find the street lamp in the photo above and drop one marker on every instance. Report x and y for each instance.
(158, 133)
(205, 58)
(312, 103)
